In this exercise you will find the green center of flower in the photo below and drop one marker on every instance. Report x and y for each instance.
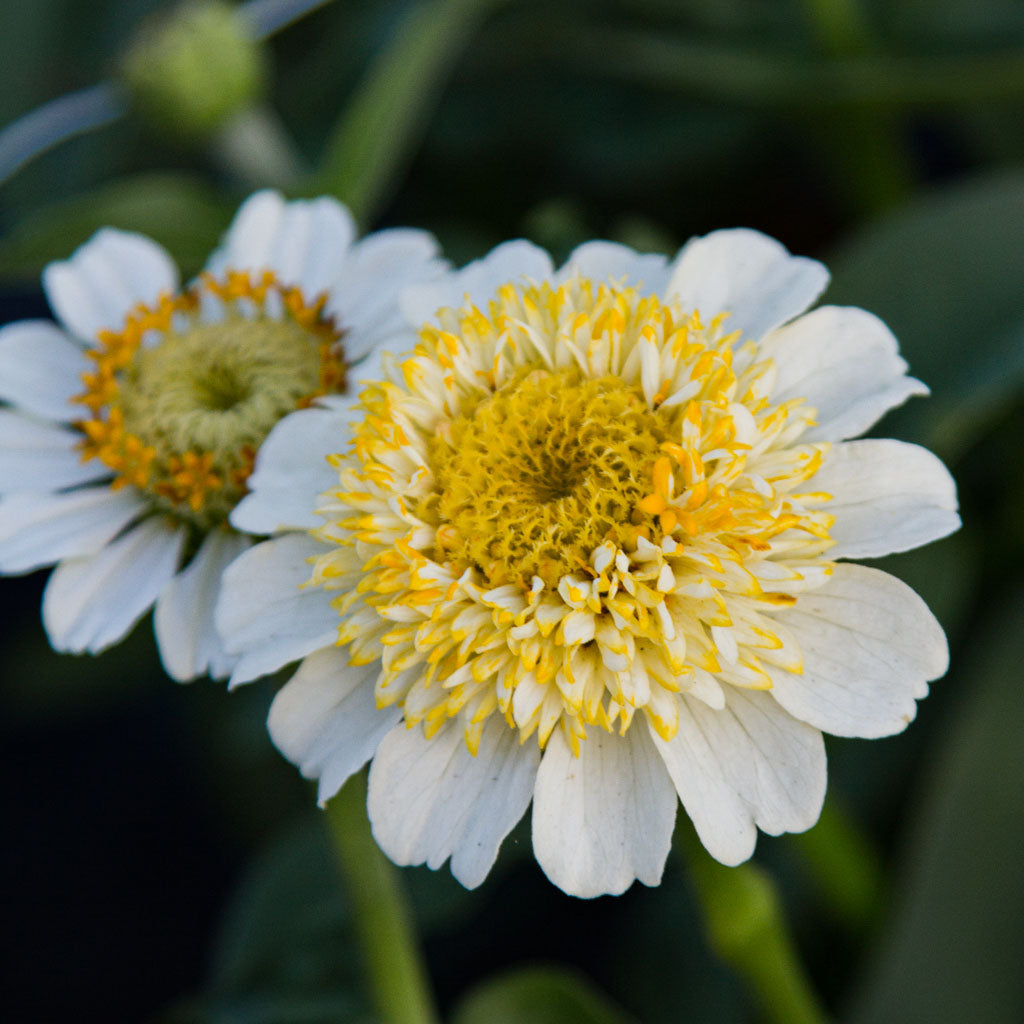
(532, 478)
(217, 389)
(179, 405)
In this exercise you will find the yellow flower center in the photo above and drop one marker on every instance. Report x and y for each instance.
(532, 478)
(569, 508)
(186, 391)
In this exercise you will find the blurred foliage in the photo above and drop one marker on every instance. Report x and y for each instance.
(183, 211)
(539, 995)
(153, 847)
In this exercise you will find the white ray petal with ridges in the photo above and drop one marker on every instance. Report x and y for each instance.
(189, 644)
(325, 719)
(845, 362)
(37, 457)
(91, 603)
(41, 370)
(870, 647)
(40, 529)
(886, 496)
(105, 278)
(747, 275)
(431, 799)
(265, 615)
(603, 818)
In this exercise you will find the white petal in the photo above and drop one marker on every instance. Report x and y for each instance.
(604, 818)
(887, 496)
(748, 275)
(39, 457)
(364, 298)
(845, 362)
(183, 618)
(609, 261)
(748, 764)
(326, 719)
(304, 242)
(91, 603)
(291, 471)
(42, 529)
(432, 799)
(870, 646)
(41, 369)
(265, 616)
(105, 278)
(509, 262)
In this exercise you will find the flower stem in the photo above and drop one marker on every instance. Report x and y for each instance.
(378, 130)
(746, 928)
(57, 121)
(870, 159)
(383, 920)
(839, 24)
(256, 149)
(845, 867)
(270, 16)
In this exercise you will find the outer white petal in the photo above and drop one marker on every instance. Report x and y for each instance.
(377, 268)
(36, 456)
(511, 261)
(326, 719)
(265, 615)
(183, 618)
(291, 471)
(749, 764)
(870, 646)
(91, 603)
(432, 799)
(845, 362)
(41, 529)
(887, 496)
(105, 278)
(604, 818)
(746, 274)
(304, 242)
(609, 261)
(41, 369)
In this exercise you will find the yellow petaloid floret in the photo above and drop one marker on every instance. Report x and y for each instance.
(570, 507)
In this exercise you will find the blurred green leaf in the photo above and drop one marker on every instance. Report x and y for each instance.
(538, 995)
(985, 20)
(179, 211)
(286, 939)
(39, 683)
(944, 273)
(954, 949)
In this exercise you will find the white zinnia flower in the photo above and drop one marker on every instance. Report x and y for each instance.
(132, 427)
(588, 549)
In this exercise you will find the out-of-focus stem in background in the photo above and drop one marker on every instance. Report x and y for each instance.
(383, 920)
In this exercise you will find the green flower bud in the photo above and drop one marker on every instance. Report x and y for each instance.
(192, 69)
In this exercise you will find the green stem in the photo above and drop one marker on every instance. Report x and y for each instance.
(256, 149)
(845, 868)
(269, 16)
(871, 165)
(746, 927)
(398, 978)
(839, 24)
(377, 132)
(759, 80)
